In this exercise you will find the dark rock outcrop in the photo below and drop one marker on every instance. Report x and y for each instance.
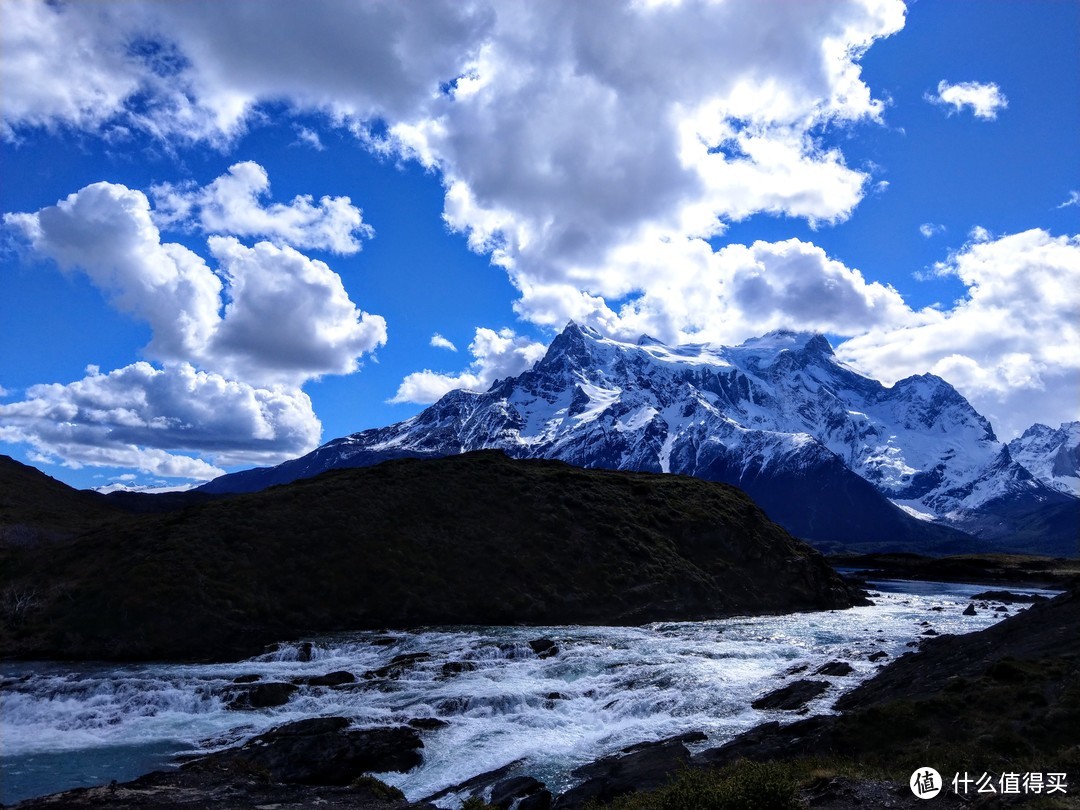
(260, 695)
(329, 679)
(637, 768)
(791, 697)
(835, 669)
(321, 751)
(520, 789)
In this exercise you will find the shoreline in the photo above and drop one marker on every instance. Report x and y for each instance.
(660, 748)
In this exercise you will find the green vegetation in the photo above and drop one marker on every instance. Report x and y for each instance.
(741, 786)
(472, 539)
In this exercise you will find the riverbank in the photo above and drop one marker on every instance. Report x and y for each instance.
(1016, 570)
(496, 705)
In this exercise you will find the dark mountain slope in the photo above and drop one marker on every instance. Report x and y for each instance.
(34, 506)
(473, 539)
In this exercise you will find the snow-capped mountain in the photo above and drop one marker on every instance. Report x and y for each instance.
(834, 456)
(1052, 456)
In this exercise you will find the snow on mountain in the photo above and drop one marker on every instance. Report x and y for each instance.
(816, 443)
(1052, 456)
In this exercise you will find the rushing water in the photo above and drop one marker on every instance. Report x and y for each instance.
(66, 725)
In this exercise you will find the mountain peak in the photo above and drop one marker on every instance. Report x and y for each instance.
(781, 339)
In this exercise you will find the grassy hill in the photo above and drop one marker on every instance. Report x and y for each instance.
(473, 539)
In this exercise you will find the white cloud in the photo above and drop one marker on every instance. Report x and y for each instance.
(563, 132)
(3, 391)
(140, 416)
(268, 320)
(929, 229)
(497, 355)
(287, 318)
(105, 231)
(1010, 346)
(310, 137)
(439, 342)
(1073, 199)
(231, 205)
(984, 99)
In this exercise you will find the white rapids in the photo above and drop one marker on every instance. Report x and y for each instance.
(607, 688)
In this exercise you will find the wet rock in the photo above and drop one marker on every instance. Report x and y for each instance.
(457, 667)
(930, 632)
(877, 656)
(799, 668)
(397, 666)
(383, 641)
(1009, 597)
(640, 767)
(970, 610)
(476, 785)
(544, 647)
(246, 678)
(835, 668)
(321, 751)
(329, 679)
(508, 791)
(260, 696)
(303, 652)
(793, 696)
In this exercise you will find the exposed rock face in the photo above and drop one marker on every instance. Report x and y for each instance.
(261, 695)
(791, 697)
(471, 539)
(835, 457)
(322, 751)
(640, 767)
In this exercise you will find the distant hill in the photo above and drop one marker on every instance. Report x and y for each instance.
(34, 506)
(472, 539)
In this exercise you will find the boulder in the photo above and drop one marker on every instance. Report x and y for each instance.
(329, 679)
(640, 767)
(508, 791)
(457, 667)
(877, 656)
(835, 668)
(260, 695)
(397, 666)
(544, 647)
(970, 610)
(793, 696)
(321, 751)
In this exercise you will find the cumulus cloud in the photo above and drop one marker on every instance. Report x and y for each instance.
(929, 229)
(287, 318)
(231, 204)
(439, 342)
(235, 344)
(144, 417)
(1010, 345)
(497, 355)
(984, 99)
(562, 133)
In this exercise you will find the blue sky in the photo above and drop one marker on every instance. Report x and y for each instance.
(186, 288)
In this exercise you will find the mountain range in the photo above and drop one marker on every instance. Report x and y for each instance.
(834, 456)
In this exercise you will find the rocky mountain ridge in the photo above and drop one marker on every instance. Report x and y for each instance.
(834, 456)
